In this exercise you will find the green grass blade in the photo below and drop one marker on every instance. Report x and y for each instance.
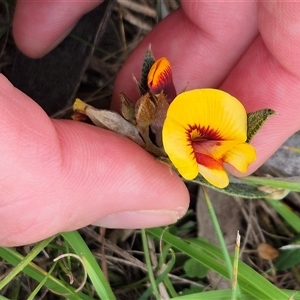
(212, 295)
(249, 280)
(226, 294)
(96, 275)
(161, 277)
(149, 265)
(288, 183)
(219, 233)
(23, 263)
(41, 284)
(162, 262)
(286, 212)
(37, 273)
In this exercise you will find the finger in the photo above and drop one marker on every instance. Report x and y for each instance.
(38, 27)
(62, 175)
(202, 40)
(268, 76)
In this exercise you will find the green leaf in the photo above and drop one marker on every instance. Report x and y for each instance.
(194, 268)
(289, 256)
(147, 64)
(190, 291)
(255, 121)
(236, 187)
(287, 259)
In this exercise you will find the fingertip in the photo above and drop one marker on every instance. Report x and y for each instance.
(38, 27)
(141, 219)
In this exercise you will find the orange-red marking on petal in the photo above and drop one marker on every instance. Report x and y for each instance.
(160, 78)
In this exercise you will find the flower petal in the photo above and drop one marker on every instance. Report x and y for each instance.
(158, 74)
(214, 149)
(213, 113)
(160, 78)
(179, 149)
(214, 173)
(240, 156)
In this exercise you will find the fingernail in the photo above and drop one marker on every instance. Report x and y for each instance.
(141, 219)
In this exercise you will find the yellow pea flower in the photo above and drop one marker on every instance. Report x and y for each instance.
(205, 128)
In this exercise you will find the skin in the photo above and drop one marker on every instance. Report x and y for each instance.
(59, 175)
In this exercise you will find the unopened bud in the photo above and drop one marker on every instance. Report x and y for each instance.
(160, 78)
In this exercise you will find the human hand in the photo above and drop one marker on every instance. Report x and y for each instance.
(249, 49)
(60, 175)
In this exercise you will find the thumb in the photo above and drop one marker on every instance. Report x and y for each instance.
(60, 175)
